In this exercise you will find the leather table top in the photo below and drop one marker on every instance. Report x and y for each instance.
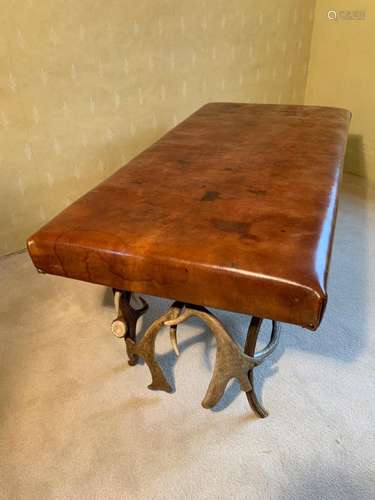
(234, 208)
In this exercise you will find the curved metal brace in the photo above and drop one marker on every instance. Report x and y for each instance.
(250, 346)
(146, 348)
(260, 356)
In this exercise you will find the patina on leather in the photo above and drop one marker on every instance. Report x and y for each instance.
(234, 208)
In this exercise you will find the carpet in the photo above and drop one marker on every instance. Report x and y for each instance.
(78, 423)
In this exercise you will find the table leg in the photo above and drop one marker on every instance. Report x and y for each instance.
(230, 361)
(250, 346)
(146, 348)
(125, 324)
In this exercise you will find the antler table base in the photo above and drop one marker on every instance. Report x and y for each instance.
(230, 361)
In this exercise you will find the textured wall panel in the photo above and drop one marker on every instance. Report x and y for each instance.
(86, 85)
(342, 73)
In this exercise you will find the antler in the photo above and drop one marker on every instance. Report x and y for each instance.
(125, 323)
(146, 348)
(125, 313)
(119, 326)
(230, 361)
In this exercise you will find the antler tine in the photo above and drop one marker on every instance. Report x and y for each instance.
(260, 356)
(181, 318)
(173, 338)
(176, 307)
(116, 299)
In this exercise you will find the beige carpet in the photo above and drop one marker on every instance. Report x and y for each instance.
(78, 423)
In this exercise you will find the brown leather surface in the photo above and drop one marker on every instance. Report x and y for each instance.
(234, 208)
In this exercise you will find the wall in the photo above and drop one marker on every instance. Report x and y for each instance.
(86, 85)
(342, 73)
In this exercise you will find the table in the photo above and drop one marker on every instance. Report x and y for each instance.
(234, 208)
